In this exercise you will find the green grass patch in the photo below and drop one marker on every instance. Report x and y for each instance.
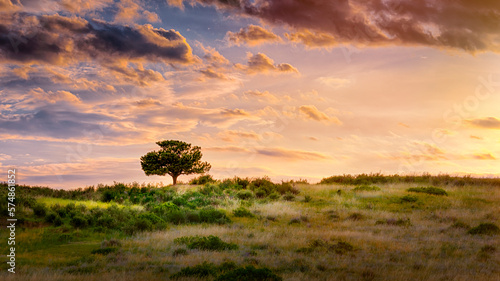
(485, 229)
(89, 204)
(429, 190)
(366, 188)
(206, 243)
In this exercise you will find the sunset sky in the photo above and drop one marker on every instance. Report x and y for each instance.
(285, 88)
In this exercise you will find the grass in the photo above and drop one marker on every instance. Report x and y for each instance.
(50, 201)
(340, 234)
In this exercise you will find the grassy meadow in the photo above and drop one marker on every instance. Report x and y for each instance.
(367, 227)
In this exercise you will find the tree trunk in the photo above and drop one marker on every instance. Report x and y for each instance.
(174, 178)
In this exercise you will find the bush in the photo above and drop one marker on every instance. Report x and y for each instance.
(50, 217)
(211, 215)
(244, 194)
(409, 199)
(366, 188)
(287, 187)
(341, 248)
(396, 222)
(274, 196)
(58, 221)
(207, 243)
(260, 193)
(428, 190)
(249, 273)
(142, 224)
(40, 210)
(243, 212)
(307, 199)
(179, 252)
(289, 196)
(204, 179)
(78, 221)
(204, 270)
(485, 229)
(104, 251)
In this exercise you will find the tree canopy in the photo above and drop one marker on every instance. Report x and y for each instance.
(174, 158)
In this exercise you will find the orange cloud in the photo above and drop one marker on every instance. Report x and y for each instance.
(486, 123)
(260, 63)
(311, 112)
(484, 156)
(252, 35)
(291, 154)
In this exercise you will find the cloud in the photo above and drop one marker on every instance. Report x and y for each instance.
(260, 63)
(312, 39)
(484, 156)
(291, 154)
(226, 149)
(212, 73)
(334, 82)
(486, 123)
(61, 40)
(467, 25)
(311, 112)
(252, 35)
(475, 137)
(130, 11)
(232, 135)
(261, 96)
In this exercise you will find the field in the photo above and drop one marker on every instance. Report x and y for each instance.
(252, 228)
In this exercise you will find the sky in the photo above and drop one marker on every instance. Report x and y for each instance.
(289, 89)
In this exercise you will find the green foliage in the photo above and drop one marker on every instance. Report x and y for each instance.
(428, 190)
(203, 179)
(244, 194)
(409, 199)
(78, 221)
(289, 196)
(485, 229)
(211, 215)
(249, 273)
(366, 188)
(307, 198)
(40, 210)
(104, 251)
(179, 252)
(341, 248)
(204, 270)
(207, 243)
(378, 178)
(274, 196)
(243, 212)
(174, 158)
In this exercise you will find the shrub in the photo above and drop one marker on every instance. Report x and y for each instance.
(274, 196)
(50, 217)
(204, 270)
(176, 217)
(179, 252)
(260, 193)
(142, 224)
(409, 198)
(287, 187)
(307, 199)
(78, 221)
(341, 247)
(58, 221)
(104, 251)
(485, 229)
(249, 273)
(356, 217)
(366, 188)
(289, 196)
(204, 179)
(40, 210)
(207, 243)
(211, 215)
(428, 190)
(209, 189)
(243, 212)
(244, 194)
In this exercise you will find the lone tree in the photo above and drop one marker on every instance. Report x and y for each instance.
(174, 158)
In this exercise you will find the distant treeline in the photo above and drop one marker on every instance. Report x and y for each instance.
(427, 179)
